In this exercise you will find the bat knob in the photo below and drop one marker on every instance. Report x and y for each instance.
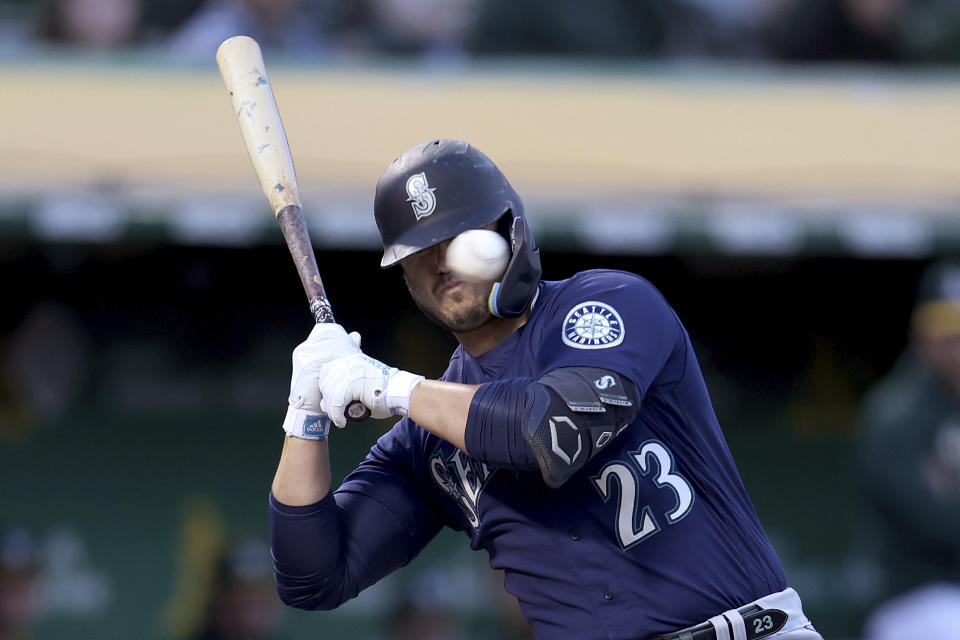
(356, 412)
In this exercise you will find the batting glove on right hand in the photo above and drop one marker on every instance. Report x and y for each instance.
(305, 417)
(383, 389)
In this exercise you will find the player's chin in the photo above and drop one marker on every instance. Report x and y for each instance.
(467, 314)
(468, 321)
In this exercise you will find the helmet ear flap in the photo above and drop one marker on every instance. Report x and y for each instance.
(505, 227)
(511, 296)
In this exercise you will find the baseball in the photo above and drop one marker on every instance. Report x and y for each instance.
(478, 255)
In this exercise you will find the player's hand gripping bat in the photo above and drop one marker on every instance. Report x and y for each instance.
(243, 71)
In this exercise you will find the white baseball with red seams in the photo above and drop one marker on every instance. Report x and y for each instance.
(478, 255)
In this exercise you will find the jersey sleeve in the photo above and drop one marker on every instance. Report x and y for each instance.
(377, 521)
(614, 320)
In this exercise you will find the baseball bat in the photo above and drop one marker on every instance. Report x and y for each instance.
(245, 75)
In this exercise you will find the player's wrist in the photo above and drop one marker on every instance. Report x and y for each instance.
(399, 388)
(306, 425)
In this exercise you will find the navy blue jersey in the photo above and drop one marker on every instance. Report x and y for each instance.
(654, 534)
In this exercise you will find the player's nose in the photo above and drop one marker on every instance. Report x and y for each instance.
(441, 256)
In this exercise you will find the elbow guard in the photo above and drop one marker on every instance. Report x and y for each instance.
(572, 413)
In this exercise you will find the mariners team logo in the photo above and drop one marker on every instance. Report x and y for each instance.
(592, 325)
(460, 477)
(421, 195)
(604, 382)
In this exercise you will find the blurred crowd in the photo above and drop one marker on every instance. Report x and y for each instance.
(793, 31)
(19, 583)
(223, 589)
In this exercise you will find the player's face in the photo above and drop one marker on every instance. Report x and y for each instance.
(456, 305)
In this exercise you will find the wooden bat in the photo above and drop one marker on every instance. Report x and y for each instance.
(243, 71)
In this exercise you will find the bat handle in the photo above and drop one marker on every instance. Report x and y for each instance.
(295, 233)
(320, 308)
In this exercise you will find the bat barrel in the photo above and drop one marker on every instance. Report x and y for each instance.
(245, 75)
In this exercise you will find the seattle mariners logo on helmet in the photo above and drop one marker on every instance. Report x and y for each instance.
(421, 195)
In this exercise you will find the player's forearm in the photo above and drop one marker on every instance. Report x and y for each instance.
(442, 409)
(303, 473)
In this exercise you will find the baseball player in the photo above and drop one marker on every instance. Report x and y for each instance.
(909, 460)
(571, 437)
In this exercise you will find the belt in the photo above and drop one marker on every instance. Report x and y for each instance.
(758, 623)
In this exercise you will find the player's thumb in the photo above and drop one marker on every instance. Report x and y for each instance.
(336, 414)
(355, 336)
(333, 412)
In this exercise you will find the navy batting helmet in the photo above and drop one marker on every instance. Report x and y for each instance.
(437, 190)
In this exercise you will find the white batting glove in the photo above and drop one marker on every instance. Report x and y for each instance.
(382, 389)
(326, 342)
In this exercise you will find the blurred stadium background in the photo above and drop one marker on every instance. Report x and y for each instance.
(781, 170)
